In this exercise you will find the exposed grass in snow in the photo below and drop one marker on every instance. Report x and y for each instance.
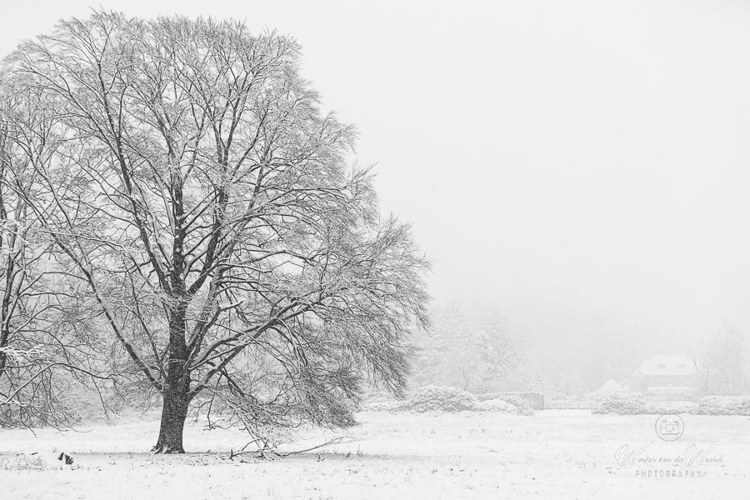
(555, 454)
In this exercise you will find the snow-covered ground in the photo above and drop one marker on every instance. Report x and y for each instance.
(555, 454)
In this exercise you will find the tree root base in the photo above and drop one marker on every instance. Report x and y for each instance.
(162, 449)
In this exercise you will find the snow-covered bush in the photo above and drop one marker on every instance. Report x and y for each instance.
(636, 404)
(724, 405)
(523, 407)
(450, 399)
(434, 398)
(623, 405)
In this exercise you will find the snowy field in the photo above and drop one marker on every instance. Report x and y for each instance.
(555, 454)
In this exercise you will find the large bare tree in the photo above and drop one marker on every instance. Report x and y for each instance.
(212, 212)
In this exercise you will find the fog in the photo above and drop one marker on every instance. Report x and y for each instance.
(581, 167)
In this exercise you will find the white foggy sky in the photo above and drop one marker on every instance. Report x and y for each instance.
(584, 166)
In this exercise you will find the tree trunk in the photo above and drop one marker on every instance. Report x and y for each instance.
(176, 388)
(173, 415)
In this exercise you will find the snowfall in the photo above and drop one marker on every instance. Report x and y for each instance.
(561, 454)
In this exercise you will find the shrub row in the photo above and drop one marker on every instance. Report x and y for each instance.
(450, 399)
(636, 404)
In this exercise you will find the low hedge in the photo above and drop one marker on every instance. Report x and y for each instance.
(636, 404)
(451, 400)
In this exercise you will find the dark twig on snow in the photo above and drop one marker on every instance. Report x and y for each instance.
(269, 453)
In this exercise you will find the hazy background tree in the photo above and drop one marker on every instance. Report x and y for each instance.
(721, 361)
(206, 207)
(476, 353)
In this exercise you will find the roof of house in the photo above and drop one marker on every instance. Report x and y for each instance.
(667, 365)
